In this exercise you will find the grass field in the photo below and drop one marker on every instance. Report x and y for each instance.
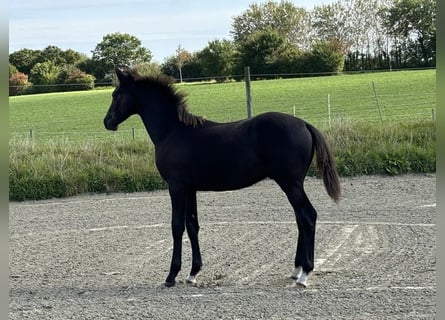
(70, 152)
(403, 96)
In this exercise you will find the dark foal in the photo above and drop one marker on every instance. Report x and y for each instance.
(194, 154)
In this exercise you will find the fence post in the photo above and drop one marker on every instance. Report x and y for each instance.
(30, 134)
(133, 132)
(377, 102)
(248, 92)
(329, 109)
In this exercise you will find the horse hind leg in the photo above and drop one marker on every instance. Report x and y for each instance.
(306, 219)
(192, 225)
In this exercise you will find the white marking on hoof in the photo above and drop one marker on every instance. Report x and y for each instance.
(191, 279)
(302, 279)
(297, 273)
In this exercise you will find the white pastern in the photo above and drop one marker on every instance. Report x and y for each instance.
(297, 273)
(302, 279)
(191, 279)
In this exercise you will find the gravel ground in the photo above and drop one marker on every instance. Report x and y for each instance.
(106, 256)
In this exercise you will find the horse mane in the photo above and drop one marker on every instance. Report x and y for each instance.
(165, 84)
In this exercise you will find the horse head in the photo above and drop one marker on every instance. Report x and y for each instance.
(123, 103)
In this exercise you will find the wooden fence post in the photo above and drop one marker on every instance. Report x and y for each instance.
(329, 109)
(248, 92)
(378, 103)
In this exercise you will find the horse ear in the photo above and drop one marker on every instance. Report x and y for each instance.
(123, 77)
(120, 74)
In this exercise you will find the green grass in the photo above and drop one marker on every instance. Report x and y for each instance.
(363, 148)
(403, 96)
(64, 168)
(71, 153)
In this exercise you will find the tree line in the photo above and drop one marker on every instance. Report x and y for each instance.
(271, 38)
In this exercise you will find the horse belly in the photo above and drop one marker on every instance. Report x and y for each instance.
(229, 174)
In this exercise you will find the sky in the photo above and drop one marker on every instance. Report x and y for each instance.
(161, 25)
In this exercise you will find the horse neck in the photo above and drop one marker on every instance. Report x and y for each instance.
(158, 115)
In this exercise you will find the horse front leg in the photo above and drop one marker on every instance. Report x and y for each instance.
(192, 225)
(178, 200)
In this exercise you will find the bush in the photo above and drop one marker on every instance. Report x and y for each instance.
(12, 70)
(18, 83)
(78, 80)
(44, 77)
(327, 56)
(48, 77)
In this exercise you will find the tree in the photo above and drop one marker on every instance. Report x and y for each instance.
(218, 58)
(260, 51)
(72, 57)
(149, 69)
(61, 57)
(355, 23)
(191, 70)
(118, 49)
(24, 59)
(53, 54)
(285, 18)
(331, 21)
(413, 22)
(182, 57)
(169, 68)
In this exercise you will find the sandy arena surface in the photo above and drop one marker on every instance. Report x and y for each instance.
(106, 256)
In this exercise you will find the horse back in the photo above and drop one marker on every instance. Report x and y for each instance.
(227, 156)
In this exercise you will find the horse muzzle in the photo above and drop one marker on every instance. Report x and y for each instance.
(108, 125)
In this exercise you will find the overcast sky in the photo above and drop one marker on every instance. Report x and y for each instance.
(161, 25)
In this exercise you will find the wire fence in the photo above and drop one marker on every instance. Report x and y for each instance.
(410, 111)
(335, 103)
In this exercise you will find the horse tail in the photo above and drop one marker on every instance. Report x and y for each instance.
(325, 163)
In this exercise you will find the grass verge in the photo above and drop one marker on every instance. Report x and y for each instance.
(66, 168)
(63, 168)
(361, 148)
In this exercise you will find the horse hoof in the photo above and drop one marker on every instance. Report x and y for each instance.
(296, 284)
(169, 284)
(300, 285)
